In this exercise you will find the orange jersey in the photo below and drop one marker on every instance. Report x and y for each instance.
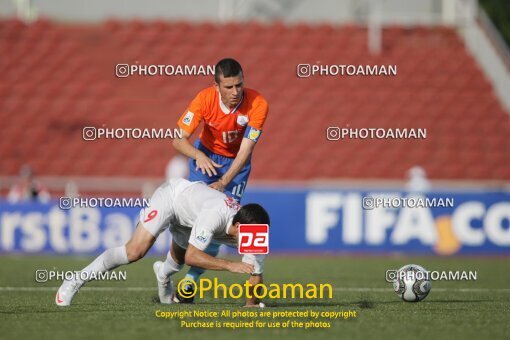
(224, 129)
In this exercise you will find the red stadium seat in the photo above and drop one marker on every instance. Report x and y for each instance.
(60, 78)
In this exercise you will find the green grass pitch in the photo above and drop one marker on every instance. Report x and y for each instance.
(126, 310)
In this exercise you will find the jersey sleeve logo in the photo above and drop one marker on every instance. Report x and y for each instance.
(203, 237)
(188, 118)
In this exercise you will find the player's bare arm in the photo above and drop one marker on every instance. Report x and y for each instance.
(204, 163)
(244, 154)
(198, 258)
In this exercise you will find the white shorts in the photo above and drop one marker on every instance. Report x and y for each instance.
(180, 235)
(160, 214)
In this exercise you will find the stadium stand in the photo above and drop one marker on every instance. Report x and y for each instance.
(57, 78)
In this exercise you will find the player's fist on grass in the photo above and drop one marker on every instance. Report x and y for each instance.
(255, 305)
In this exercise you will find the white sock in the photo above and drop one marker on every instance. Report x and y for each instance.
(169, 267)
(108, 260)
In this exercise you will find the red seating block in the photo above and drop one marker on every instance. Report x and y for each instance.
(58, 78)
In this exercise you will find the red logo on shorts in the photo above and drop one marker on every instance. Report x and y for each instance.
(253, 239)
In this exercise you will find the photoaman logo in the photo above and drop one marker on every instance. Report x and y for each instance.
(259, 291)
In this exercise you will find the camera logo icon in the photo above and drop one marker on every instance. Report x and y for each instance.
(65, 203)
(391, 275)
(333, 133)
(122, 70)
(89, 133)
(304, 70)
(368, 203)
(41, 275)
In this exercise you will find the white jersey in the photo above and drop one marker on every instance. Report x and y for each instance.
(196, 215)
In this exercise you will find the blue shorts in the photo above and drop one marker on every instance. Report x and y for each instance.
(236, 187)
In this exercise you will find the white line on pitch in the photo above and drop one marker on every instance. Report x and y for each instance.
(463, 290)
(49, 289)
(336, 289)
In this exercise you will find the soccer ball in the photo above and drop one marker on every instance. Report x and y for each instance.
(412, 283)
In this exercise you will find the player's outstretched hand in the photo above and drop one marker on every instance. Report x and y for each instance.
(241, 267)
(205, 164)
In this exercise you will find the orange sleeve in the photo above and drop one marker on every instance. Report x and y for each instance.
(259, 114)
(191, 118)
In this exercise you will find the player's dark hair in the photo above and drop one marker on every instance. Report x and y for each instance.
(227, 67)
(251, 214)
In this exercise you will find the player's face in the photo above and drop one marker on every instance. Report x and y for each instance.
(233, 231)
(231, 90)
